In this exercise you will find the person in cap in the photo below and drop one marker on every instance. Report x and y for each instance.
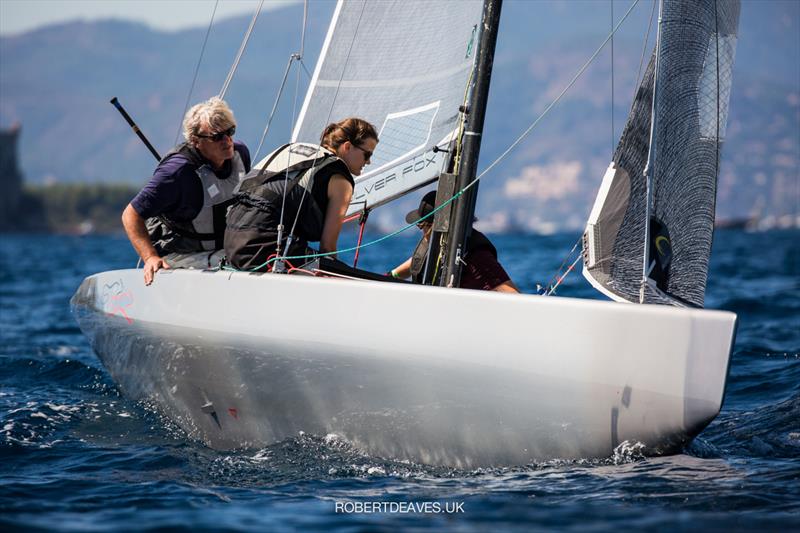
(178, 219)
(481, 271)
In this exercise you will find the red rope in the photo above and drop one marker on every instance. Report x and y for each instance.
(298, 269)
(363, 223)
(554, 287)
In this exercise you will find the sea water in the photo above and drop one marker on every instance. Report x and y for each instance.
(75, 455)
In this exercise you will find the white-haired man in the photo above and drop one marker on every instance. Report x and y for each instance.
(178, 218)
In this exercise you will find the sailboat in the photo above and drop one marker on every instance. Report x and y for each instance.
(492, 380)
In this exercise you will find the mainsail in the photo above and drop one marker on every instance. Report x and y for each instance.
(690, 76)
(403, 66)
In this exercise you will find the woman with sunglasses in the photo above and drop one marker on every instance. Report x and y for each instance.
(298, 194)
(178, 219)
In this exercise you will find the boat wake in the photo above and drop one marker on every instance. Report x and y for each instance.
(628, 451)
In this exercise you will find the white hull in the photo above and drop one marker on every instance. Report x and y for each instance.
(242, 360)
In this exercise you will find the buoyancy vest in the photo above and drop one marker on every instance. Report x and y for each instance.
(420, 257)
(251, 235)
(476, 241)
(207, 230)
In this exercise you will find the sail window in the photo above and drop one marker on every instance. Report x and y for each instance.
(707, 93)
(404, 133)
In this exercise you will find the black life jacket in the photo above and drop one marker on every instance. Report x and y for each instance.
(206, 231)
(251, 236)
(420, 257)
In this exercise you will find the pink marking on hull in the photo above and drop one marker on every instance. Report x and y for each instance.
(120, 302)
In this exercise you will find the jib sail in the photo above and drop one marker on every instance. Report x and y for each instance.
(690, 76)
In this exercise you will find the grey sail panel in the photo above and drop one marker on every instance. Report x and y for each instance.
(692, 89)
(403, 66)
(614, 238)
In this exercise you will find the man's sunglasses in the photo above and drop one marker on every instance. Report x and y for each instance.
(217, 137)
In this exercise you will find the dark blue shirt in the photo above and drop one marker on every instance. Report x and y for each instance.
(175, 190)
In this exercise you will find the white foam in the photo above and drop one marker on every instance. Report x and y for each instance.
(62, 350)
(629, 451)
(332, 438)
(59, 408)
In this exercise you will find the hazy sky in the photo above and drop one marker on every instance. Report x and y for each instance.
(18, 16)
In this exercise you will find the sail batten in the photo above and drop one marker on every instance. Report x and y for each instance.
(686, 99)
(403, 66)
(396, 82)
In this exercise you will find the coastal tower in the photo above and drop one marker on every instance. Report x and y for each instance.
(10, 176)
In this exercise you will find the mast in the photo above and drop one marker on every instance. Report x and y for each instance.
(464, 208)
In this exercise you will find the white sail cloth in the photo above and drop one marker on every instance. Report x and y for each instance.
(403, 66)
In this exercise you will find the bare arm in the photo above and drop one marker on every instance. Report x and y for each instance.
(339, 194)
(140, 239)
(507, 286)
(403, 270)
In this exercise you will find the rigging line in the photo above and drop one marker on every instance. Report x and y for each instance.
(464, 106)
(651, 153)
(462, 123)
(318, 271)
(564, 262)
(241, 51)
(274, 106)
(612, 79)
(305, 68)
(330, 110)
(346, 62)
(492, 165)
(196, 72)
(289, 158)
(438, 263)
(296, 56)
(311, 181)
(303, 33)
(304, 271)
(644, 45)
(294, 121)
(554, 102)
(554, 287)
(716, 144)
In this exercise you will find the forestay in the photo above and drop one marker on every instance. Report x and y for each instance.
(403, 66)
(691, 68)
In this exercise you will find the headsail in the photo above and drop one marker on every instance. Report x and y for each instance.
(692, 88)
(403, 66)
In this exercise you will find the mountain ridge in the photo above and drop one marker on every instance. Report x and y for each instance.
(57, 81)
